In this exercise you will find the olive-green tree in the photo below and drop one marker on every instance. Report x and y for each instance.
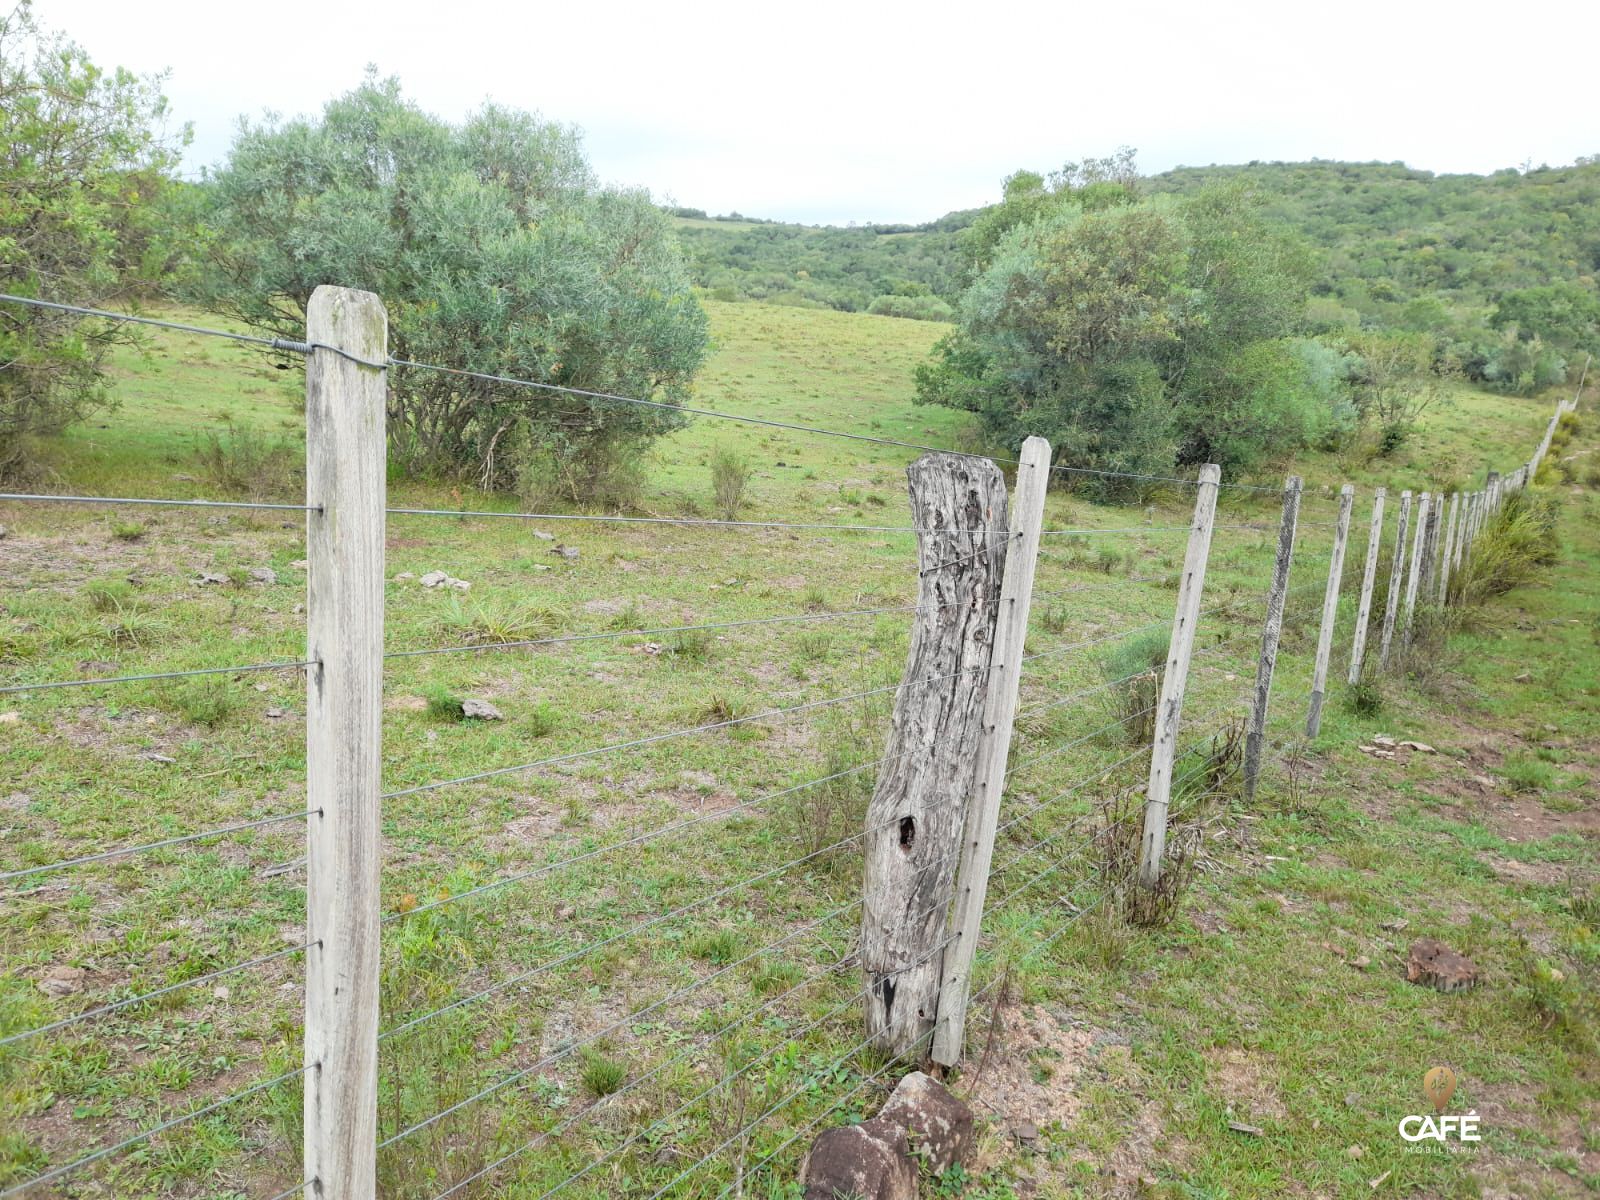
(497, 252)
(86, 163)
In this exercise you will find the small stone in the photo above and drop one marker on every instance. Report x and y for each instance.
(276, 713)
(10, 718)
(63, 981)
(1361, 962)
(208, 578)
(543, 536)
(480, 710)
(567, 552)
(870, 1161)
(1433, 964)
(939, 1125)
(1027, 1132)
(1395, 925)
(156, 757)
(299, 564)
(263, 575)
(1419, 747)
(1355, 1151)
(565, 912)
(405, 577)
(220, 993)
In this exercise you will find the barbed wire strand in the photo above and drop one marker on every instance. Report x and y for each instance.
(124, 851)
(678, 733)
(154, 1131)
(246, 669)
(160, 502)
(146, 997)
(686, 522)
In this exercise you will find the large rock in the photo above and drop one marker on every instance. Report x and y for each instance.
(939, 1126)
(869, 1161)
(1433, 964)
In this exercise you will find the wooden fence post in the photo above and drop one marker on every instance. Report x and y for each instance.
(914, 822)
(1271, 632)
(1330, 610)
(345, 486)
(1430, 546)
(1397, 575)
(1369, 578)
(1446, 549)
(1418, 545)
(1492, 487)
(1180, 647)
(994, 746)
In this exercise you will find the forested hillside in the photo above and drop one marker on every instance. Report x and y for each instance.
(1394, 246)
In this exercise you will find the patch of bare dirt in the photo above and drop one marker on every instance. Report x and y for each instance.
(1245, 1080)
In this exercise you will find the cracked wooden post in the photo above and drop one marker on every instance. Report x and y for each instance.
(1492, 487)
(1180, 647)
(1418, 544)
(1369, 578)
(1464, 534)
(1271, 632)
(345, 487)
(1430, 547)
(994, 746)
(1397, 575)
(1330, 610)
(914, 822)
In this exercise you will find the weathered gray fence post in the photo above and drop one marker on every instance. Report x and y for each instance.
(913, 824)
(1418, 546)
(1271, 632)
(1397, 575)
(1180, 647)
(1430, 546)
(1369, 578)
(1492, 487)
(345, 486)
(1330, 610)
(994, 745)
(1447, 550)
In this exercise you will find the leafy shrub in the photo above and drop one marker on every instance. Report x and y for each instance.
(912, 308)
(242, 461)
(1133, 670)
(730, 475)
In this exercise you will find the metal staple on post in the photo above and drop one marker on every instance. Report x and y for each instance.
(994, 748)
(345, 481)
(1158, 793)
(1271, 632)
(1330, 610)
(1369, 578)
(1397, 568)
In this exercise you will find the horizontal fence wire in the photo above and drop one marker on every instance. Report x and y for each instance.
(125, 851)
(159, 502)
(146, 997)
(664, 630)
(655, 739)
(637, 840)
(685, 522)
(245, 669)
(137, 1139)
(559, 389)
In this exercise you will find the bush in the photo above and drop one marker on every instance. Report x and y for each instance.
(730, 474)
(86, 166)
(244, 462)
(912, 308)
(496, 251)
(1133, 671)
(1510, 551)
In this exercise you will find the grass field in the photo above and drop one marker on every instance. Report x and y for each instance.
(1125, 1052)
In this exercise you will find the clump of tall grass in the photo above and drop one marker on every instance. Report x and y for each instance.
(1133, 670)
(1510, 551)
(730, 475)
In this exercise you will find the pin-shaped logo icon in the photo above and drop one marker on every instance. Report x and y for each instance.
(1438, 1085)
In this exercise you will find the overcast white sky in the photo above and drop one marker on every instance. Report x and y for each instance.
(832, 112)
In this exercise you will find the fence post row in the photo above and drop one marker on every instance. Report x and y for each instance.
(345, 488)
(1271, 632)
(1180, 648)
(1369, 577)
(1397, 575)
(914, 821)
(1330, 610)
(994, 747)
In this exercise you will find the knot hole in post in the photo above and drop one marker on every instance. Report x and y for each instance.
(908, 833)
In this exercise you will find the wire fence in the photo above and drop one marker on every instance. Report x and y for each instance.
(678, 1006)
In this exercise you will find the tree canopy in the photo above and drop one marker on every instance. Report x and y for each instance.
(497, 252)
(87, 161)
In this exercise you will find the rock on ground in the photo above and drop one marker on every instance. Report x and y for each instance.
(871, 1161)
(939, 1126)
